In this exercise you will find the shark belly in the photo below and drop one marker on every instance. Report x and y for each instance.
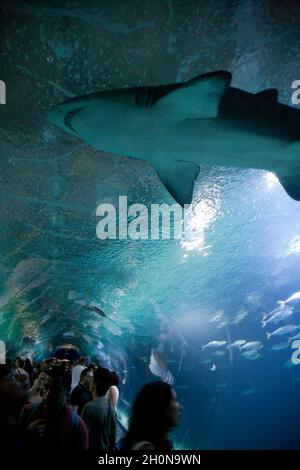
(214, 143)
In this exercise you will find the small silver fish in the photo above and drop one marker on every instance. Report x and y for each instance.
(242, 314)
(281, 346)
(294, 337)
(45, 318)
(218, 353)
(219, 315)
(69, 334)
(214, 344)
(251, 355)
(252, 345)
(237, 344)
(292, 298)
(283, 330)
(278, 315)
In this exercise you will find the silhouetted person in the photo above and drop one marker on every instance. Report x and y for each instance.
(155, 411)
(82, 394)
(99, 415)
(29, 369)
(13, 396)
(36, 390)
(76, 372)
(52, 424)
(113, 391)
(22, 375)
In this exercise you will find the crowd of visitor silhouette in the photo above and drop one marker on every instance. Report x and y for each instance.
(60, 404)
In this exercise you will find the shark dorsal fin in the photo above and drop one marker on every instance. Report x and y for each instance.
(198, 98)
(149, 95)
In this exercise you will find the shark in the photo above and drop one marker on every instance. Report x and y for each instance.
(177, 128)
(93, 308)
(98, 311)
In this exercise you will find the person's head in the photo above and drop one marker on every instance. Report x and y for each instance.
(19, 363)
(101, 382)
(55, 387)
(82, 360)
(115, 379)
(86, 378)
(28, 366)
(155, 411)
(13, 395)
(92, 367)
(38, 381)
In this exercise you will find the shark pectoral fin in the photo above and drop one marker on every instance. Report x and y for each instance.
(291, 184)
(198, 98)
(179, 179)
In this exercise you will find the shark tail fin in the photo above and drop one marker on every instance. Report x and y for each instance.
(263, 322)
(269, 335)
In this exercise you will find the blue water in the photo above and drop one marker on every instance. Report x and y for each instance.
(171, 296)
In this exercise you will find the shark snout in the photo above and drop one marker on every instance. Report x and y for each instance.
(56, 115)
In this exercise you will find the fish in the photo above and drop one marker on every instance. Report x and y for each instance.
(159, 368)
(218, 353)
(294, 337)
(45, 318)
(283, 330)
(293, 298)
(214, 344)
(88, 339)
(69, 334)
(178, 127)
(251, 355)
(241, 315)
(281, 346)
(222, 324)
(252, 345)
(237, 344)
(93, 308)
(278, 315)
(218, 316)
